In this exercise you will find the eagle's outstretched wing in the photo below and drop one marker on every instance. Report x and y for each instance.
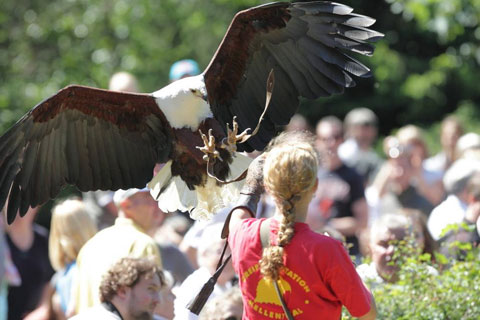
(303, 43)
(87, 137)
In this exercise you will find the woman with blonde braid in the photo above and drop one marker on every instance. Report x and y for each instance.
(313, 273)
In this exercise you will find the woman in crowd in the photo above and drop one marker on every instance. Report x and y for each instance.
(428, 182)
(310, 273)
(70, 228)
(28, 245)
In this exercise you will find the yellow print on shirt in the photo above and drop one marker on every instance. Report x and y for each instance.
(266, 295)
(249, 272)
(264, 311)
(266, 291)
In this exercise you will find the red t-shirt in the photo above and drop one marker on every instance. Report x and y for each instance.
(318, 278)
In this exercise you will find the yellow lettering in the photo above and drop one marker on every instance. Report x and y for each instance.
(295, 277)
(297, 311)
(249, 272)
(278, 315)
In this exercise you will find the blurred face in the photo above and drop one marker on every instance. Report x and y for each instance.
(449, 135)
(402, 169)
(382, 246)
(329, 138)
(365, 134)
(143, 298)
(166, 308)
(209, 259)
(143, 209)
(417, 150)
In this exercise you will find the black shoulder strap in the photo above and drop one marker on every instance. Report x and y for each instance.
(265, 239)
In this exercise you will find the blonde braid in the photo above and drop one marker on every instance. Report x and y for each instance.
(290, 170)
(272, 256)
(285, 229)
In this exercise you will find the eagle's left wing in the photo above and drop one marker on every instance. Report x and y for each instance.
(303, 43)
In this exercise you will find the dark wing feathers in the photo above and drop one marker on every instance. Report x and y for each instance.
(91, 138)
(306, 45)
(320, 7)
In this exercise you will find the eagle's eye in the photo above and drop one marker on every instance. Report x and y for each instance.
(194, 91)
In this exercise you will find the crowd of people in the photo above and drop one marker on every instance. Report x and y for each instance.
(315, 204)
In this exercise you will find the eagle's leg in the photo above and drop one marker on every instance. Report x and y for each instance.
(209, 146)
(230, 142)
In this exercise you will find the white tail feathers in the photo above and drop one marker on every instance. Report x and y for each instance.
(203, 202)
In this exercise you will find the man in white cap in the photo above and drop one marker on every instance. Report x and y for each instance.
(453, 209)
(128, 237)
(468, 145)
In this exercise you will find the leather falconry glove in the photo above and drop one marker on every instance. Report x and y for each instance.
(251, 191)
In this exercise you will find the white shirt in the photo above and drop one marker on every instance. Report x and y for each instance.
(189, 290)
(194, 234)
(450, 211)
(369, 274)
(96, 312)
(436, 163)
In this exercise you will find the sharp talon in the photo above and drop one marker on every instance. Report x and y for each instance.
(230, 142)
(209, 146)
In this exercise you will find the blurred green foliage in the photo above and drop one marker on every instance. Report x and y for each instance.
(426, 66)
(442, 288)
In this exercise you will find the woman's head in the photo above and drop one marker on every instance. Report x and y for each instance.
(290, 167)
(289, 175)
(412, 137)
(70, 228)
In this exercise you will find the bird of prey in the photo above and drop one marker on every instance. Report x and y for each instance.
(99, 139)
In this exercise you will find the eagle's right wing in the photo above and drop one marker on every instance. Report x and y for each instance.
(90, 138)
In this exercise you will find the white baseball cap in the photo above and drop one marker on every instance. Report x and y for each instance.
(122, 195)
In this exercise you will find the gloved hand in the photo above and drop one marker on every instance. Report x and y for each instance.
(254, 180)
(251, 191)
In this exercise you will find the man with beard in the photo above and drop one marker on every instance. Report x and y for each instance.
(130, 290)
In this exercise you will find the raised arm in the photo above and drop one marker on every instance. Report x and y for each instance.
(246, 206)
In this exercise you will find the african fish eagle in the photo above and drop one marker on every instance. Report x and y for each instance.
(99, 139)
